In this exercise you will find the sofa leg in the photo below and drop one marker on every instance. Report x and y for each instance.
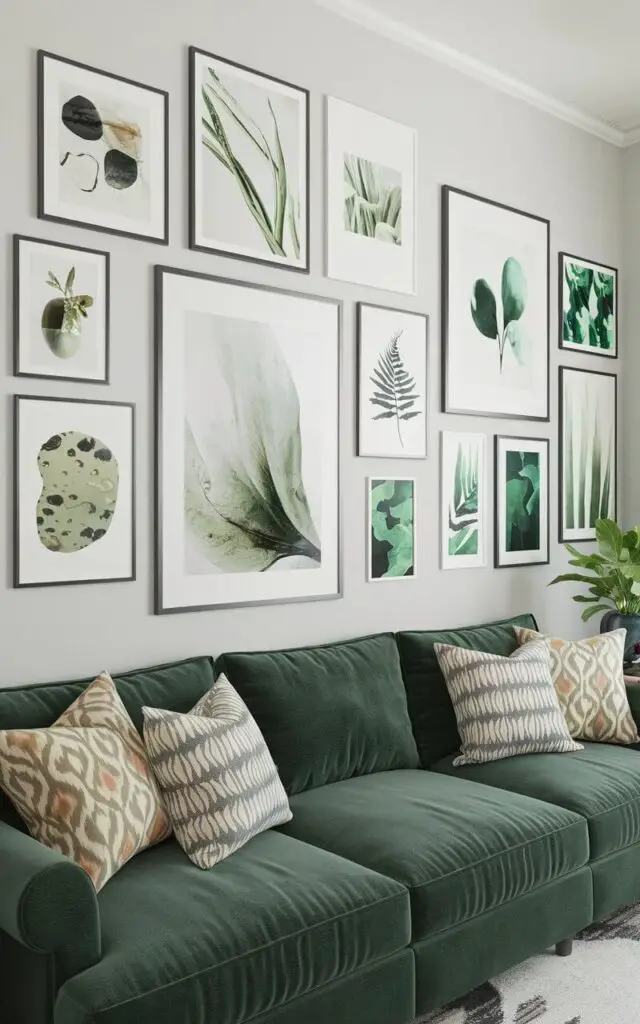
(564, 948)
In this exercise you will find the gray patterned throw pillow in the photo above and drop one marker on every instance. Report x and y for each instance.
(504, 706)
(218, 779)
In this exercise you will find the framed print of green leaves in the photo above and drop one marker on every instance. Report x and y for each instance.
(249, 156)
(371, 199)
(247, 444)
(392, 382)
(521, 510)
(588, 451)
(391, 529)
(61, 311)
(102, 150)
(463, 510)
(588, 306)
(495, 317)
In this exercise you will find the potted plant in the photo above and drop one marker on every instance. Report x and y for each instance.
(62, 317)
(613, 579)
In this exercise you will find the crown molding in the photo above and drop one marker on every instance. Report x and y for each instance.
(398, 31)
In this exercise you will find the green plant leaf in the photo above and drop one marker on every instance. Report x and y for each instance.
(464, 542)
(571, 577)
(71, 276)
(588, 613)
(609, 537)
(483, 309)
(519, 341)
(514, 290)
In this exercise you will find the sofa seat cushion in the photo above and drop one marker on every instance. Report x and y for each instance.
(601, 783)
(276, 920)
(461, 849)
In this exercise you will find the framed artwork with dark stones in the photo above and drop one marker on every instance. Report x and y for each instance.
(74, 491)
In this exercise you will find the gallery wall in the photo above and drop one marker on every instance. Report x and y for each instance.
(469, 136)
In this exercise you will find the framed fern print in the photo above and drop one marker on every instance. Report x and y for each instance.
(521, 510)
(392, 382)
(247, 444)
(588, 451)
(463, 512)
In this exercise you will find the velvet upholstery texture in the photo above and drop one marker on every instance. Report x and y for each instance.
(601, 783)
(268, 925)
(327, 713)
(430, 708)
(461, 850)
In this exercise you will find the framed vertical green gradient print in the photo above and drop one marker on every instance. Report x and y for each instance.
(463, 504)
(521, 509)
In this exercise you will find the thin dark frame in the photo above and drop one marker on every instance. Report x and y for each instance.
(447, 190)
(597, 373)
(404, 312)
(588, 350)
(17, 239)
(158, 292)
(17, 399)
(42, 215)
(497, 564)
(303, 269)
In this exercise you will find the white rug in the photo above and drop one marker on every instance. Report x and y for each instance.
(598, 984)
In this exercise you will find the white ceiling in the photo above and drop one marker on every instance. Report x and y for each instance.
(579, 59)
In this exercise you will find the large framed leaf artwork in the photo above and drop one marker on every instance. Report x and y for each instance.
(391, 552)
(588, 451)
(392, 382)
(74, 491)
(249, 158)
(588, 294)
(521, 511)
(247, 444)
(463, 510)
(495, 309)
(371, 198)
(103, 150)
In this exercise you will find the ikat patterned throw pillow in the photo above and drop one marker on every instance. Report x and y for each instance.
(219, 781)
(504, 706)
(589, 680)
(84, 786)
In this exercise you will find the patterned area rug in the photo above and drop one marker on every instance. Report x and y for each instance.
(598, 984)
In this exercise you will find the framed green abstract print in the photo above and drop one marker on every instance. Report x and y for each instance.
(463, 512)
(392, 530)
(588, 299)
(588, 451)
(521, 510)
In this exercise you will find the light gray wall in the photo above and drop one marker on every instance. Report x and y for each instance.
(630, 293)
(469, 136)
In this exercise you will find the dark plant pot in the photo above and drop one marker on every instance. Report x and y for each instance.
(614, 620)
(62, 344)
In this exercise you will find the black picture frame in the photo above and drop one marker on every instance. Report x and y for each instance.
(446, 407)
(160, 608)
(43, 214)
(562, 535)
(587, 350)
(17, 583)
(359, 336)
(103, 254)
(497, 563)
(194, 52)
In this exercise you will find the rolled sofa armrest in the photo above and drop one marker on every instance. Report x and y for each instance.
(633, 693)
(48, 903)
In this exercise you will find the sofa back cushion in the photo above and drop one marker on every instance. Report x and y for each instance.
(327, 713)
(430, 708)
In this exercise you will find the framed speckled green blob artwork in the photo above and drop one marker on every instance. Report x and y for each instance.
(74, 492)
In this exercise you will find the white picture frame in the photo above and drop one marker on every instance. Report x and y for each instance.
(391, 529)
(463, 513)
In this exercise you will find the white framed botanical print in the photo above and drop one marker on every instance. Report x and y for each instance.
(588, 301)
(103, 150)
(463, 500)
(74, 491)
(247, 444)
(371, 198)
(392, 382)
(521, 510)
(495, 313)
(391, 529)
(61, 311)
(249, 157)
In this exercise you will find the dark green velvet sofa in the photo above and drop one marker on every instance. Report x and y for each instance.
(399, 884)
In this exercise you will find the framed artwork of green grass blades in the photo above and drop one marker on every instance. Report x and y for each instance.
(588, 451)
(463, 511)
(392, 530)
(588, 303)
(521, 483)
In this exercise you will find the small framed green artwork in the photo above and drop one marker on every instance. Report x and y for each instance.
(391, 527)
(463, 511)
(588, 298)
(521, 482)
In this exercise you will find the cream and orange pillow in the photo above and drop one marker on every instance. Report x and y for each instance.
(84, 786)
